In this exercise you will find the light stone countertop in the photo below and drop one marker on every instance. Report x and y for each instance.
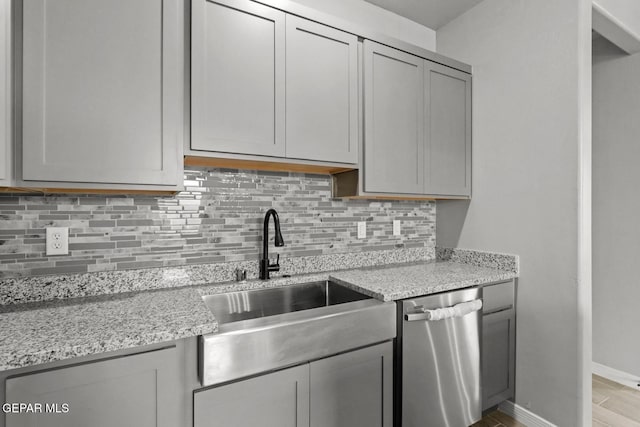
(406, 281)
(37, 333)
(42, 332)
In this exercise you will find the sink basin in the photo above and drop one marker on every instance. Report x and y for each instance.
(266, 329)
(238, 306)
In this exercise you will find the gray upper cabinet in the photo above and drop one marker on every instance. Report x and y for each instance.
(353, 389)
(102, 91)
(264, 83)
(447, 132)
(237, 78)
(393, 120)
(417, 129)
(5, 93)
(321, 92)
(279, 399)
(140, 390)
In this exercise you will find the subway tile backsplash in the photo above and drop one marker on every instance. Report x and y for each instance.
(217, 218)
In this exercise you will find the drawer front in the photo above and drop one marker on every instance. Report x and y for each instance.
(498, 297)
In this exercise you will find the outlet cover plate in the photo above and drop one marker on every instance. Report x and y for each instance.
(396, 227)
(57, 240)
(362, 229)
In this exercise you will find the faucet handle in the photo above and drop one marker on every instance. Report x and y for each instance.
(241, 275)
(277, 263)
(276, 266)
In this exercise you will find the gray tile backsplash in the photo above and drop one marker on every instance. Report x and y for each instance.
(217, 218)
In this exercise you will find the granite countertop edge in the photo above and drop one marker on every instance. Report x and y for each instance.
(12, 361)
(418, 291)
(187, 303)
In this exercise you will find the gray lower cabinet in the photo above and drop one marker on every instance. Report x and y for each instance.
(498, 344)
(141, 390)
(353, 389)
(237, 77)
(101, 92)
(279, 399)
(5, 93)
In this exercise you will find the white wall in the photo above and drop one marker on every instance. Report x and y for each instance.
(383, 21)
(618, 21)
(531, 184)
(616, 209)
(626, 11)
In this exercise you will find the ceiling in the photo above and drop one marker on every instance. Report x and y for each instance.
(430, 13)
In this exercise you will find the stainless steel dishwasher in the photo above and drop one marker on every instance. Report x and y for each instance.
(439, 357)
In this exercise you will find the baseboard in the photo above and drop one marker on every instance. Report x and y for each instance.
(523, 415)
(615, 375)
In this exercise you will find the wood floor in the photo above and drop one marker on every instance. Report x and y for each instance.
(614, 405)
(498, 419)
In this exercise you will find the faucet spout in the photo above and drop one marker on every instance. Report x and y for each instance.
(265, 265)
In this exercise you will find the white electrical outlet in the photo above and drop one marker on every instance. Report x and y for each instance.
(57, 240)
(362, 229)
(396, 227)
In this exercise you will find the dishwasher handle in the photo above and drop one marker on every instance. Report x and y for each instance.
(458, 310)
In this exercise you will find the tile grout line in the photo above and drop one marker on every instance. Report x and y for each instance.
(604, 400)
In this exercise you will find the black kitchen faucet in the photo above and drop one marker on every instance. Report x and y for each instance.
(265, 265)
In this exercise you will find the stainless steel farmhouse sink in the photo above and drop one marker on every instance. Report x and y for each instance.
(237, 306)
(266, 329)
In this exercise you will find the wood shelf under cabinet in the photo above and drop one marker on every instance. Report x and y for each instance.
(264, 165)
(348, 185)
(44, 191)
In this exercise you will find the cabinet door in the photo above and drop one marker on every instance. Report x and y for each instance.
(498, 357)
(140, 390)
(353, 389)
(394, 121)
(237, 78)
(101, 91)
(280, 399)
(322, 92)
(5, 93)
(447, 131)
